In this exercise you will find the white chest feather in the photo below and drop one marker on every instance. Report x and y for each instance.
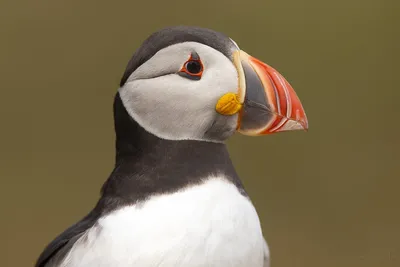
(211, 224)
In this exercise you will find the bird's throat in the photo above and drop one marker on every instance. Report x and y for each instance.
(147, 165)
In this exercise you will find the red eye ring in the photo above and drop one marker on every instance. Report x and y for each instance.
(193, 67)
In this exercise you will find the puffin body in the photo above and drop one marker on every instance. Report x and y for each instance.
(174, 198)
(210, 224)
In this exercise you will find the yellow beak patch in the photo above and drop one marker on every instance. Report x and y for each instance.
(228, 104)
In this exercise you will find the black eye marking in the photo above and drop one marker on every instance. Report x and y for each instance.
(193, 68)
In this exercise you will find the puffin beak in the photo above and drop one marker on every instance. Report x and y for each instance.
(269, 103)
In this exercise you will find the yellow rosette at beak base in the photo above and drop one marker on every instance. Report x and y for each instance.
(228, 104)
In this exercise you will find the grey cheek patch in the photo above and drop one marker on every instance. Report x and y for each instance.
(221, 128)
(161, 74)
(177, 107)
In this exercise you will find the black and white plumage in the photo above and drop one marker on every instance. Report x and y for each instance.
(174, 198)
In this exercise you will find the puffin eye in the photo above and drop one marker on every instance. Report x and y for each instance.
(193, 68)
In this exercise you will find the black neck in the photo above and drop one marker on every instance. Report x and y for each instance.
(146, 164)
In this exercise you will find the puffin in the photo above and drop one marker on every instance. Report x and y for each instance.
(174, 197)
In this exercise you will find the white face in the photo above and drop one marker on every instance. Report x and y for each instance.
(172, 106)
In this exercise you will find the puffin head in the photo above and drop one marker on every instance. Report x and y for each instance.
(190, 83)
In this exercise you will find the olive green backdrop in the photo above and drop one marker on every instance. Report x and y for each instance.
(326, 198)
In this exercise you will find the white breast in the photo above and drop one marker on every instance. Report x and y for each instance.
(210, 224)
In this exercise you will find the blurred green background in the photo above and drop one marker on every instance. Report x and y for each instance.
(329, 197)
